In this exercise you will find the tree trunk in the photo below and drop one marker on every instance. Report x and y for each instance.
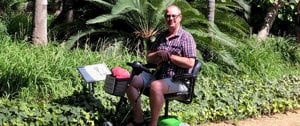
(66, 14)
(211, 10)
(68, 10)
(211, 15)
(269, 20)
(297, 23)
(39, 35)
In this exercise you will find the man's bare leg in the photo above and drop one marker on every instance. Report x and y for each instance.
(157, 91)
(135, 102)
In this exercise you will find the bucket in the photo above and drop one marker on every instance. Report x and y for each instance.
(169, 121)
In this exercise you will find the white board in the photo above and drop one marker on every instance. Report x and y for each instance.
(94, 73)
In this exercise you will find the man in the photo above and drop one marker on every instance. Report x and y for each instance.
(174, 52)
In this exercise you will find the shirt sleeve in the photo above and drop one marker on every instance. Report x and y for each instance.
(189, 46)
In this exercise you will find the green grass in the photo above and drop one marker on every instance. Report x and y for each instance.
(268, 82)
(46, 73)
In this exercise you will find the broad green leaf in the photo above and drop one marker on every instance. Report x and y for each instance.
(102, 3)
(103, 18)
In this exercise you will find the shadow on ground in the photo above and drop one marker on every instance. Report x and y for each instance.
(93, 104)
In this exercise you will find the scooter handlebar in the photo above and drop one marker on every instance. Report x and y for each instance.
(138, 65)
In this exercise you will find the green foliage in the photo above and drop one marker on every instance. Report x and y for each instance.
(133, 19)
(10, 6)
(49, 75)
(21, 113)
(25, 62)
(268, 59)
(3, 28)
(46, 77)
(231, 98)
(226, 33)
(19, 25)
(14, 20)
(145, 17)
(287, 16)
(232, 23)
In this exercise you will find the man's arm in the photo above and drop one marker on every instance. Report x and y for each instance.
(153, 57)
(184, 62)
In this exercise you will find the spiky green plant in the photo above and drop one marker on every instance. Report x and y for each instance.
(215, 49)
(142, 19)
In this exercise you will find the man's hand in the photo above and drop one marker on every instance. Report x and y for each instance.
(165, 55)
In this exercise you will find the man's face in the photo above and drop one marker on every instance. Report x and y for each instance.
(173, 17)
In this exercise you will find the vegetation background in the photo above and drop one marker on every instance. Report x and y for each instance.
(250, 60)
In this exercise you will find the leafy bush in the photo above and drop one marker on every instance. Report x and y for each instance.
(22, 113)
(46, 77)
(19, 25)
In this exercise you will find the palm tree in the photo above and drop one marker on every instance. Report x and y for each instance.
(269, 19)
(39, 35)
(211, 13)
(144, 18)
(217, 41)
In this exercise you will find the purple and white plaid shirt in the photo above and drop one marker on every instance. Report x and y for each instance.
(182, 44)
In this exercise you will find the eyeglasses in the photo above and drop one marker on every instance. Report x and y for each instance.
(173, 16)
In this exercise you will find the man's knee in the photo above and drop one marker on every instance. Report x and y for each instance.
(137, 82)
(159, 86)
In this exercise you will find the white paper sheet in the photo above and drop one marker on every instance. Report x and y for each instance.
(94, 73)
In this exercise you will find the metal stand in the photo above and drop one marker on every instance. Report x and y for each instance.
(89, 87)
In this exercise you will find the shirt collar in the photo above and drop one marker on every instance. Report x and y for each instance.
(178, 33)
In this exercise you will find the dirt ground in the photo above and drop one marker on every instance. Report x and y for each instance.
(290, 118)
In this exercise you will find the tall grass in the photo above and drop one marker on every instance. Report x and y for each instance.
(20, 25)
(47, 73)
(270, 59)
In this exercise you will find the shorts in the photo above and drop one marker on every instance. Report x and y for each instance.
(174, 86)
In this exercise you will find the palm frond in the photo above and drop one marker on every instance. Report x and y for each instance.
(197, 33)
(246, 7)
(192, 18)
(229, 7)
(75, 38)
(227, 58)
(233, 24)
(103, 18)
(69, 44)
(222, 38)
(102, 2)
(127, 6)
(160, 5)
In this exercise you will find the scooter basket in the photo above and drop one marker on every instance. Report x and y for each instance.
(115, 86)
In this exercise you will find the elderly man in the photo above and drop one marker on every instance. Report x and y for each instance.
(174, 52)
